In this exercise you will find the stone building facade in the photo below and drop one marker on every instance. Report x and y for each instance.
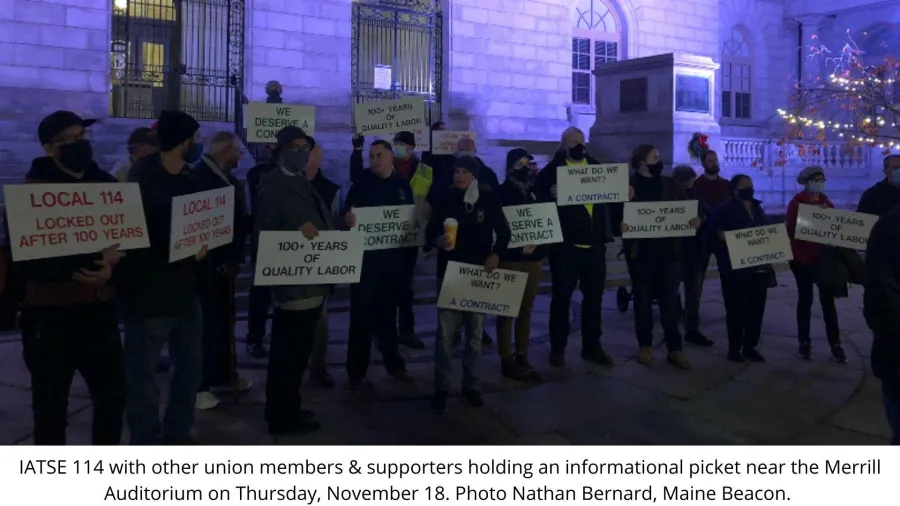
(516, 71)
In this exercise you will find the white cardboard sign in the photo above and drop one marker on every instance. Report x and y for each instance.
(201, 219)
(390, 116)
(752, 247)
(592, 184)
(389, 227)
(533, 224)
(423, 140)
(445, 140)
(470, 288)
(263, 121)
(289, 258)
(382, 77)
(57, 220)
(834, 227)
(648, 220)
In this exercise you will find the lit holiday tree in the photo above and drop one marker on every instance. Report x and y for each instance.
(857, 105)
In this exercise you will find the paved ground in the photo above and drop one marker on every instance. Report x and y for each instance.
(784, 401)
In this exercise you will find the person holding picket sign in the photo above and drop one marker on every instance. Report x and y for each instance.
(373, 300)
(744, 290)
(477, 215)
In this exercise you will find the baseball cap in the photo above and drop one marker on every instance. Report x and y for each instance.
(142, 135)
(57, 122)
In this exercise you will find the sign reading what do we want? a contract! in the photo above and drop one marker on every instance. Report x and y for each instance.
(592, 184)
(472, 289)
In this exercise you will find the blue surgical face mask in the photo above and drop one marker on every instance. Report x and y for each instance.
(400, 152)
(815, 187)
(460, 154)
(194, 154)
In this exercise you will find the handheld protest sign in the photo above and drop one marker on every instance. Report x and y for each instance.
(648, 220)
(390, 116)
(389, 227)
(57, 220)
(834, 227)
(263, 121)
(444, 141)
(289, 258)
(470, 288)
(533, 224)
(201, 219)
(591, 184)
(753, 247)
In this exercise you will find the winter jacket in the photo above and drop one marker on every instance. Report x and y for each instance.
(732, 215)
(837, 268)
(663, 249)
(206, 178)
(513, 194)
(881, 302)
(879, 199)
(804, 252)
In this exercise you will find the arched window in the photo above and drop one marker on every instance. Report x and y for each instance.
(595, 41)
(737, 81)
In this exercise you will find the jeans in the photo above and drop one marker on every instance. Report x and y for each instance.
(523, 320)
(693, 272)
(658, 279)
(745, 292)
(806, 276)
(219, 356)
(406, 318)
(144, 340)
(572, 267)
(372, 303)
(56, 342)
(257, 313)
(448, 321)
(293, 337)
(892, 411)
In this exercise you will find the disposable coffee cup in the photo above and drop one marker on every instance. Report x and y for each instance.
(451, 227)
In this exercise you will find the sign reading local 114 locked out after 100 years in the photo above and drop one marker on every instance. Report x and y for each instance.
(533, 224)
(56, 220)
(834, 227)
(390, 116)
(648, 220)
(289, 258)
(389, 227)
(201, 219)
(265, 120)
(471, 288)
(591, 184)
(753, 247)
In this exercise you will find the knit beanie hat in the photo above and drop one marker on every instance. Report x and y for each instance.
(405, 137)
(469, 163)
(173, 128)
(514, 156)
(806, 174)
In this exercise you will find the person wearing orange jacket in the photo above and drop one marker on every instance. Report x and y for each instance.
(805, 264)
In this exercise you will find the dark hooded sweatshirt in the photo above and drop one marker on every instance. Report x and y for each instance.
(48, 281)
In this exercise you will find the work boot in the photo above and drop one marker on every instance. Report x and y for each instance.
(510, 369)
(411, 340)
(699, 339)
(557, 358)
(257, 350)
(754, 356)
(678, 359)
(596, 356)
(522, 362)
(837, 351)
(473, 398)
(735, 356)
(805, 350)
(645, 355)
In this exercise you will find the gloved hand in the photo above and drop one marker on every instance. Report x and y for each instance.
(358, 141)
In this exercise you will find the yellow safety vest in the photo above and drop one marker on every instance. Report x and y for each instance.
(421, 181)
(589, 207)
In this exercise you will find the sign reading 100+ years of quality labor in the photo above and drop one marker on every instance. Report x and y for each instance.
(471, 288)
(591, 184)
(533, 224)
(648, 220)
(201, 219)
(752, 247)
(390, 116)
(265, 120)
(289, 258)
(57, 220)
(389, 227)
(834, 227)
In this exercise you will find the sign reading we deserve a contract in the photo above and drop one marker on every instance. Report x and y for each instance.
(57, 220)
(470, 288)
(752, 247)
(265, 120)
(201, 219)
(389, 227)
(592, 184)
(445, 141)
(390, 116)
(533, 224)
(289, 258)
(647, 220)
(834, 227)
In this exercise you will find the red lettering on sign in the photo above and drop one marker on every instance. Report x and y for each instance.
(196, 206)
(61, 199)
(48, 239)
(64, 222)
(117, 234)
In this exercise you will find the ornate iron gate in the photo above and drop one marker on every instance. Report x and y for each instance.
(404, 38)
(183, 55)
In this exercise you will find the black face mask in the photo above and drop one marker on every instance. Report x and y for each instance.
(712, 171)
(521, 174)
(656, 169)
(77, 156)
(745, 194)
(577, 152)
(274, 97)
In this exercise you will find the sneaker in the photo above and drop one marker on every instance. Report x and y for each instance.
(645, 355)
(525, 365)
(411, 340)
(678, 359)
(557, 359)
(206, 400)
(486, 339)
(699, 339)
(439, 402)
(299, 428)
(257, 350)
(735, 356)
(473, 398)
(805, 350)
(596, 356)
(401, 375)
(320, 378)
(837, 351)
(753, 355)
(238, 384)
